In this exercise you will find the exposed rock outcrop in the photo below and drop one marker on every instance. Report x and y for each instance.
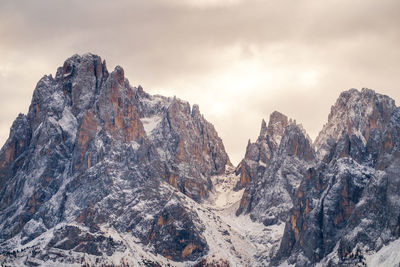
(259, 153)
(95, 152)
(347, 203)
(268, 196)
(100, 173)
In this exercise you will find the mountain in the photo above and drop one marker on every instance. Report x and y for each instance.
(334, 202)
(347, 204)
(280, 157)
(260, 152)
(95, 155)
(100, 173)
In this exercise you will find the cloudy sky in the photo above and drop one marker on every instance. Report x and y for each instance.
(239, 60)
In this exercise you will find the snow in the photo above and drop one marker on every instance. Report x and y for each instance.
(68, 123)
(135, 145)
(57, 100)
(223, 195)
(262, 164)
(235, 238)
(388, 256)
(151, 123)
(65, 75)
(163, 154)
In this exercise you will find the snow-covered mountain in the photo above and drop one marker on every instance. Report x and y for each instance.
(95, 156)
(348, 203)
(101, 173)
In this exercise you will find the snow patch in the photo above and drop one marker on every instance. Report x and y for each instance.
(223, 195)
(262, 164)
(388, 256)
(68, 122)
(135, 145)
(149, 124)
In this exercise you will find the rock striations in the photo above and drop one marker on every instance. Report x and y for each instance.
(339, 197)
(277, 161)
(93, 153)
(347, 204)
(101, 173)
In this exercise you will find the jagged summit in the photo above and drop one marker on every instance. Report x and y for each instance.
(263, 130)
(93, 152)
(332, 200)
(355, 113)
(346, 206)
(102, 173)
(284, 138)
(259, 153)
(276, 126)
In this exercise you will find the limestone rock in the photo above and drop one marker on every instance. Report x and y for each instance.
(347, 203)
(93, 152)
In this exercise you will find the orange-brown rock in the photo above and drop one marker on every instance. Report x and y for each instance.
(86, 133)
(188, 250)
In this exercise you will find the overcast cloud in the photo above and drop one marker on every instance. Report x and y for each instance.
(239, 60)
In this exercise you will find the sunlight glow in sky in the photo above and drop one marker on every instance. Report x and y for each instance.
(239, 60)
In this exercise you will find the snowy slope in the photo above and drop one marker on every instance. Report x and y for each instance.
(249, 240)
(231, 239)
(388, 256)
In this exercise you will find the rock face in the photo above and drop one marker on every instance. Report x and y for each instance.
(362, 117)
(337, 197)
(259, 153)
(348, 203)
(101, 173)
(280, 156)
(94, 152)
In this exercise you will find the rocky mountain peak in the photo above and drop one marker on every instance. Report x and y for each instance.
(276, 126)
(95, 152)
(196, 111)
(259, 154)
(102, 173)
(263, 130)
(347, 196)
(270, 196)
(358, 114)
(77, 67)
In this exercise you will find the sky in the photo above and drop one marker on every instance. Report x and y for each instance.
(239, 60)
